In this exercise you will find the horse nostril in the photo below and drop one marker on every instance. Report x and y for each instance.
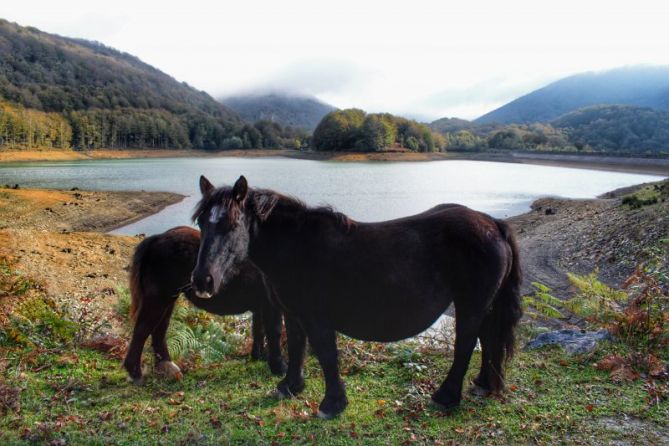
(209, 283)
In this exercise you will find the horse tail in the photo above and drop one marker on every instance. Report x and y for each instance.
(506, 311)
(136, 290)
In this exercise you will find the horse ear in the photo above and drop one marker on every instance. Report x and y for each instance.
(205, 186)
(240, 189)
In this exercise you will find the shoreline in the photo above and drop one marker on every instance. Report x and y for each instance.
(77, 210)
(652, 166)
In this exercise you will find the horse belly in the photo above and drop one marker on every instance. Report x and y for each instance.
(391, 323)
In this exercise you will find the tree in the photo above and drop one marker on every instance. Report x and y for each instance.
(377, 133)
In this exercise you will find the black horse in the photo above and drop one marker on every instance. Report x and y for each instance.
(371, 281)
(161, 269)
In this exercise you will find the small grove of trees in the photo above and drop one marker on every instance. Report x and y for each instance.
(353, 129)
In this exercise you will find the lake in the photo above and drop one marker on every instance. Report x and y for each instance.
(370, 191)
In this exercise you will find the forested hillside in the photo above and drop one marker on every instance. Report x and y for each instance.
(610, 129)
(617, 128)
(60, 92)
(643, 86)
(284, 109)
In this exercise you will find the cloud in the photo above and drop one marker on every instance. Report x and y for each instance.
(472, 101)
(316, 77)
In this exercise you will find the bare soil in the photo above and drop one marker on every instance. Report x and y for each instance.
(560, 236)
(74, 210)
(55, 239)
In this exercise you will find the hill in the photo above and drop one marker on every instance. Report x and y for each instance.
(446, 125)
(617, 128)
(286, 110)
(639, 86)
(52, 73)
(59, 92)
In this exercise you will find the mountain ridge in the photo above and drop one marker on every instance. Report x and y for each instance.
(286, 109)
(643, 86)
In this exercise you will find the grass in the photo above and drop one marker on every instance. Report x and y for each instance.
(60, 393)
(647, 195)
(80, 396)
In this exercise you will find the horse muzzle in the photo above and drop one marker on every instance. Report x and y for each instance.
(203, 285)
(203, 294)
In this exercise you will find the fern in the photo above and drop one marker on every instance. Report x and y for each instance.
(595, 301)
(542, 304)
(194, 332)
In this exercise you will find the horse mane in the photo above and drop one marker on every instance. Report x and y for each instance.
(263, 202)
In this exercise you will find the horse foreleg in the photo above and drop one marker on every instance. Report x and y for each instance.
(449, 393)
(163, 362)
(324, 344)
(293, 383)
(258, 332)
(273, 322)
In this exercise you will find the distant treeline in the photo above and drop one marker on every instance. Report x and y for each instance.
(611, 128)
(606, 128)
(128, 128)
(353, 129)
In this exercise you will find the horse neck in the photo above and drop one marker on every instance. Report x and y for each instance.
(277, 241)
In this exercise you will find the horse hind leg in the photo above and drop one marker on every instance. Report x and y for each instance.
(491, 376)
(163, 362)
(449, 393)
(148, 322)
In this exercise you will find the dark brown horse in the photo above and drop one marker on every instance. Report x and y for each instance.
(161, 270)
(371, 281)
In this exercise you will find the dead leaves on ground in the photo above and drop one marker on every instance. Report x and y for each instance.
(113, 346)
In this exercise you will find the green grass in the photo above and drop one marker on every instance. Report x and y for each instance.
(79, 396)
(52, 392)
(647, 195)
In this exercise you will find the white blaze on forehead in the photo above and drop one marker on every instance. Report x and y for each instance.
(216, 213)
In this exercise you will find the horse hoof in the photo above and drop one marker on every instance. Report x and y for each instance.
(289, 389)
(279, 394)
(169, 370)
(278, 368)
(331, 407)
(325, 416)
(480, 390)
(445, 406)
(139, 381)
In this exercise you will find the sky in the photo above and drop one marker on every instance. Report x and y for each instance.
(422, 59)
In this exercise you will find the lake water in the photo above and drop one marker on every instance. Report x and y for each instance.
(370, 191)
